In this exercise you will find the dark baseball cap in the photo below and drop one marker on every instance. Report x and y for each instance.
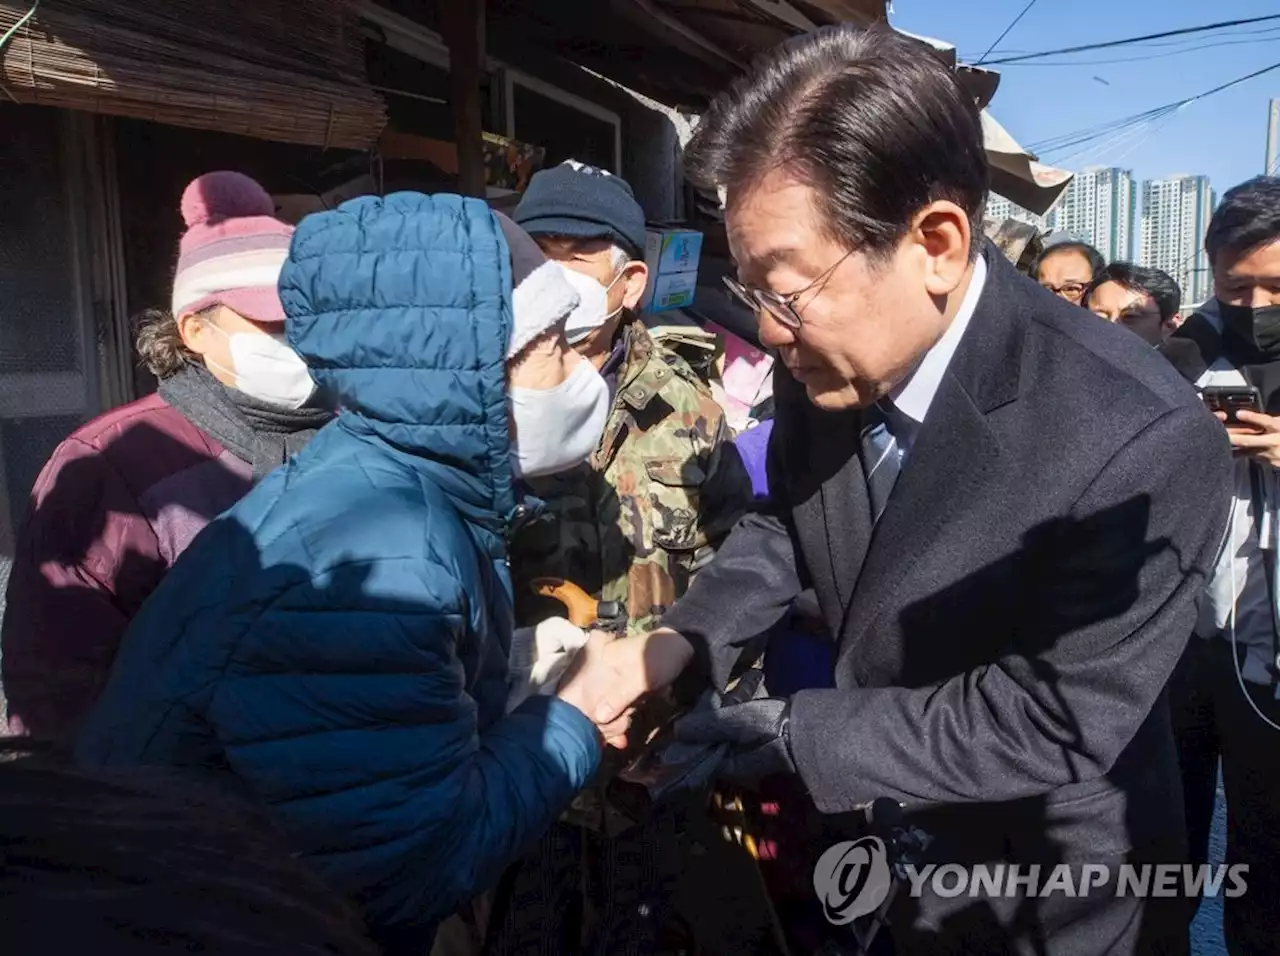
(582, 202)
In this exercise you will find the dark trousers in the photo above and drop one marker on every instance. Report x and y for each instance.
(1213, 722)
(620, 890)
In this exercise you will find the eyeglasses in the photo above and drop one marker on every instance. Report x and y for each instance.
(782, 307)
(1068, 290)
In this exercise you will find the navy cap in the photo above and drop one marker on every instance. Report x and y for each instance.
(582, 202)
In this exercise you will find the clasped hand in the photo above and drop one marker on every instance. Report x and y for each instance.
(1259, 438)
(607, 678)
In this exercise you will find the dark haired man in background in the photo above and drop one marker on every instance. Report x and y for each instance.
(1145, 301)
(978, 486)
(1226, 698)
(1067, 268)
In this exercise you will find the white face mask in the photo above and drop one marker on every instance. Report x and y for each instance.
(267, 369)
(593, 305)
(558, 428)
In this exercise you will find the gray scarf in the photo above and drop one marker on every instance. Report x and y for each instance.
(262, 435)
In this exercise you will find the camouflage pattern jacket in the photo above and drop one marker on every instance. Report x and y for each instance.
(663, 488)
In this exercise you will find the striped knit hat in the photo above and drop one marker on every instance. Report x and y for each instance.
(233, 249)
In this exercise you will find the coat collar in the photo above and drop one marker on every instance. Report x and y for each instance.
(955, 453)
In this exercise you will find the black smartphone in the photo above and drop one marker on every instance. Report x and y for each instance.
(1231, 399)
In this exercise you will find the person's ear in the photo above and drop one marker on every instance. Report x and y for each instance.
(635, 276)
(942, 236)
(194, 330)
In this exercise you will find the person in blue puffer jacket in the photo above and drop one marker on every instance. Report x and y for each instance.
(335, 646)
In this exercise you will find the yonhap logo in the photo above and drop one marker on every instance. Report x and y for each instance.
(852, 879)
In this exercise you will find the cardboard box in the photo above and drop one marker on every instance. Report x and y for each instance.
(672, 250)
(672, 255)
(672, 291)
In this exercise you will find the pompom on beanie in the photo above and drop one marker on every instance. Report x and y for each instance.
(233, 249)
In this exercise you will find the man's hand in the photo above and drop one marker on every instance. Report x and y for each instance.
(609, 676)
(1260, 440)
(756, 733)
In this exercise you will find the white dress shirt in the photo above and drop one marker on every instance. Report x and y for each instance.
(913, 396)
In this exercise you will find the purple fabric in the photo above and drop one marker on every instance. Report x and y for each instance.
(180, 505)
(796, 660)
(753, 446)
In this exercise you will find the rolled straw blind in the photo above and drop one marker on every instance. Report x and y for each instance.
(285, 70)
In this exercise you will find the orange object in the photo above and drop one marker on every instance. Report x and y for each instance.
(582, 609)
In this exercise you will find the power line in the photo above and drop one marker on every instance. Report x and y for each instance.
(1259, 36)
(1126, 42)
(1007, 31)
(1082, 136)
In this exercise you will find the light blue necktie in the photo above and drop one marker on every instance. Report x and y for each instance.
(881, 459)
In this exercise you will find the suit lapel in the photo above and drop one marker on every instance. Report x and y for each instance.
(954, 455)
(830, 500)
(846, 510)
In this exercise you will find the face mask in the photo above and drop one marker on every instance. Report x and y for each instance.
(558, 428)
(1259, 327)
(267, 369)
(593, 304)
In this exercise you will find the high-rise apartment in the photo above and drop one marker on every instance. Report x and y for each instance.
(1175, 216)
(1000, 209)
(1098, 208)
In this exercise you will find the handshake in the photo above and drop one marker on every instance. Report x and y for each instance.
(602, 675)
(605, 676)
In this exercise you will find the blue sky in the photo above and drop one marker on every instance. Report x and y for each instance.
(1222, 136)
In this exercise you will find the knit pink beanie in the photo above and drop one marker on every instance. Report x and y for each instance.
(233, 249)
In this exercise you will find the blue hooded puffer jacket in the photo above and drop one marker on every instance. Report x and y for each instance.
(336, 643)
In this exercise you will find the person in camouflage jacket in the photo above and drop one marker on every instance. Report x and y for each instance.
(664, 485)
(661, 490)
(631, 526)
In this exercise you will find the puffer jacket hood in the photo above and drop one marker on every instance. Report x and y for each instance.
(401, 308)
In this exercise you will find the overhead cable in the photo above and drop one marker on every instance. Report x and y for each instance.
(1007, 31)
(1128, 41)
(1081, 136)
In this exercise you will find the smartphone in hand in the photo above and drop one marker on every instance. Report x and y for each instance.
(1231, 399)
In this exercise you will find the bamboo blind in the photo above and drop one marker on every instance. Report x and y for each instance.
(284, 70)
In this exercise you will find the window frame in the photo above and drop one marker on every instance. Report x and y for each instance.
(411, 38)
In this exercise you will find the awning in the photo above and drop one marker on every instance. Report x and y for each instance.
(291, 72)
(981, 83)
(679, 52)
(1016, 174)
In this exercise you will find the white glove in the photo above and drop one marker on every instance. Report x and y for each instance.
(540, 656)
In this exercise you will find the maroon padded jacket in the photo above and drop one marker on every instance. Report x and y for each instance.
(111, 511)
